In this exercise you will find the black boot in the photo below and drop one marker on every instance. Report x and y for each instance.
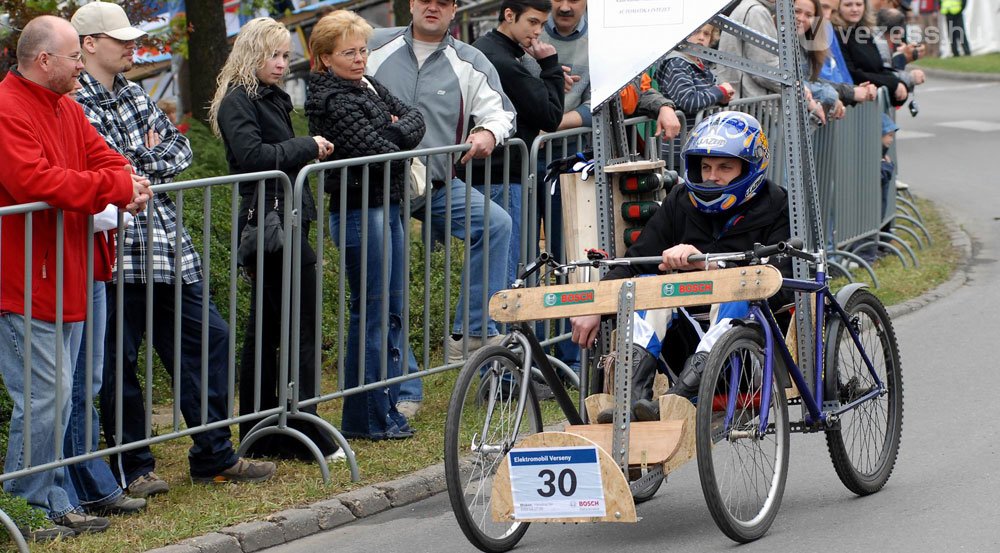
(690, 378)
(643, 373)
(686, 386)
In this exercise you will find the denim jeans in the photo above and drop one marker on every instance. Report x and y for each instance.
(372, 414)
(497, 272)
(92, 481)
(512, 206)
(45, 490)
(212, 451)
(476, 268)
(566, 351)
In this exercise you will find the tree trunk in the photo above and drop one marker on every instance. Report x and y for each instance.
(208, 48)
(401, 12)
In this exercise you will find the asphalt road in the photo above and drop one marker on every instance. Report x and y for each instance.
(945, 492)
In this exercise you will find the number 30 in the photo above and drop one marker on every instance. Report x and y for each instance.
(548, 488)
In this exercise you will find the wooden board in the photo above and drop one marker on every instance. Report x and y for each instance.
(674, 408)
(654, 292)
(641, 166)
(617, 496)
(579, 222)
(649, 443)
(595, 403)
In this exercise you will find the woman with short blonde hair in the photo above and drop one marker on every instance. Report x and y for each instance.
(343, 103)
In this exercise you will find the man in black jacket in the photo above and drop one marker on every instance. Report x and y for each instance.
(725, 205)
(538, 100)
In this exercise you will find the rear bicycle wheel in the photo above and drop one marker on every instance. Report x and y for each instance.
(864, 446)
(742, 472)
(482, 426)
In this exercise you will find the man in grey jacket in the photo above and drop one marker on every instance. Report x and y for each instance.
(759, 16)
(459, 94)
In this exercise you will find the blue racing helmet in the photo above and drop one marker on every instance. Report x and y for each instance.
(726, 134)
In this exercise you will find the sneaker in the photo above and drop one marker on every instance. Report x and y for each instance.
(542, 390)
(337, 456)
(48, 532)
(147, 485)
(122, 505)
(82, 523)
(453, 347)
(243, 471)
(408, 409)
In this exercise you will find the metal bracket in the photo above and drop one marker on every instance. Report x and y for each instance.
(623, 376)
(775, 74)
(755, 38)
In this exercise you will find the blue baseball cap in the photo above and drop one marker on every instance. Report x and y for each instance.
(888, 125)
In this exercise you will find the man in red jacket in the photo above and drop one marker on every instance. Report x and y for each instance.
(50, 154)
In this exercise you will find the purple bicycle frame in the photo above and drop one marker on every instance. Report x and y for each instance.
(811, 397)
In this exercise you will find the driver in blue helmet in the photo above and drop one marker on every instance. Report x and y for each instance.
(725, 205)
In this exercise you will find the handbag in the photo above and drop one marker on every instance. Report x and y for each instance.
(274, 235)
(418, 177)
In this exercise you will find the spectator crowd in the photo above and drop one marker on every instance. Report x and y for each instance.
(77, 134)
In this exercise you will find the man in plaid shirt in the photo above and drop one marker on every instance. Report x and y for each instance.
(131, 123)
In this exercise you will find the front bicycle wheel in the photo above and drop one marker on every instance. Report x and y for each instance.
(865, 444)
(487, 415)
(742, 470)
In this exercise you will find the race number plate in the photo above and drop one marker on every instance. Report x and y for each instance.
(556, 482)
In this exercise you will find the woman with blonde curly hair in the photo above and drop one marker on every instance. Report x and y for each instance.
(366, 119)
(250, 112)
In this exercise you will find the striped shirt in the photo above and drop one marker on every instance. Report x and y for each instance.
(689, 84)
(124, 118)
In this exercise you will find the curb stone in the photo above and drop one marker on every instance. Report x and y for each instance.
(289, 525)
(254, 536)
(214, 543)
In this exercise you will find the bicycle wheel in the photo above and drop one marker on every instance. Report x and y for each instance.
(742, 472)
(865, 444)
(482, 426)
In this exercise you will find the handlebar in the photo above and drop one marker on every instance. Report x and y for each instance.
(598, 258)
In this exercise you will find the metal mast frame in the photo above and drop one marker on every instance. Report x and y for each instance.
(796, 152)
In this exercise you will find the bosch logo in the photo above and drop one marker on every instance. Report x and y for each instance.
(550, 300)
(695, 288)
(577, 297)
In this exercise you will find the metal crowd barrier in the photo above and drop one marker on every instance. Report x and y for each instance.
(418, 207)
(847, 156)
(64, 375)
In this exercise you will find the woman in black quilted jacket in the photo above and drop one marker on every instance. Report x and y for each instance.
(357, 113)
(854, 25)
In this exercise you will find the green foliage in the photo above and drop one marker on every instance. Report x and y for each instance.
(23, 515)
(985, 63)
(20, 12)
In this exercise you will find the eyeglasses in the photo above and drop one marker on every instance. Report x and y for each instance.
(76, 58)
(353, 54)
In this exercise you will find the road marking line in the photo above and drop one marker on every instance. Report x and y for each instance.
(905, 135)
(970, 125)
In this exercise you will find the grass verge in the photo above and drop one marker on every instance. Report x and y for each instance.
(985, 63)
